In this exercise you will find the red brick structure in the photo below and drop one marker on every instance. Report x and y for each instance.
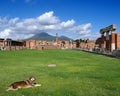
(56, 37)
(117, 41)
(109, 40)
(9, 44)
(39, 44)
(88, 44)
(57, 44)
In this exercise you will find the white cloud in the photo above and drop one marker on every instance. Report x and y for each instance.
(48, 19)
(16, 28)
(81, 29)
(5, 33)
(68, 23)
(13, 21)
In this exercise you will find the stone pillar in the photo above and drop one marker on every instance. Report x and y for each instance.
(107, 35)
(112, 40)
(4, 43)
(102, 43)
(71, 44)
(107, 41)
(9, 44)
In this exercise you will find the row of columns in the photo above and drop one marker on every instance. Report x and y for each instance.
(110, 42)
(7, 43)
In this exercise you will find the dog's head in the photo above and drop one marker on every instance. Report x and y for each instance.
(32, 79)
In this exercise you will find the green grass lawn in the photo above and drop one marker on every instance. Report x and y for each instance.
(76, 73)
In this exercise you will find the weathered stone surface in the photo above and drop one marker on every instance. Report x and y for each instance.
(116, 53)
(109, 28)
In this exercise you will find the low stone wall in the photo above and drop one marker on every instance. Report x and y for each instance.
(116, 53)
(47, 47)
(38, 47)
(14, 47)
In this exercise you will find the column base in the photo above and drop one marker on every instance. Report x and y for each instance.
(112, 46)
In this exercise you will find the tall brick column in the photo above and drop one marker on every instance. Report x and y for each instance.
(56, 37)
(112, 40)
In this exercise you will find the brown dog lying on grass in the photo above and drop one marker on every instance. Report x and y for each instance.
(23, 84)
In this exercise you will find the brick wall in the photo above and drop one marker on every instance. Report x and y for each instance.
(87, 45)
(33, 44)
(118, 41)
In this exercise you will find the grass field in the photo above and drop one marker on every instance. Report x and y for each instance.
(76, 73)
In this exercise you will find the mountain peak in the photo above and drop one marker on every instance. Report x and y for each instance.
(43, 34)
(64, 38)
(47, 37)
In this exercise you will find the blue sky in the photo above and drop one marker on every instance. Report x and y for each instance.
(20, 19)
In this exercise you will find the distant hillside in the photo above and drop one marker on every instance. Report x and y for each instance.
(46, 36)
(42, 36)
(64, 38)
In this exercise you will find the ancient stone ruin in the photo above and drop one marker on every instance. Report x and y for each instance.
(109, 42)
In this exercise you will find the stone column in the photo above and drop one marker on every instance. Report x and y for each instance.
(107, 41)
(4, 43)
(102, 43)
(10, 43)
(112, 40)
(107, 35)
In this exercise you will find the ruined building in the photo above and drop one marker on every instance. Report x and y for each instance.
(109, 40)
(55, 44)
(9, 44)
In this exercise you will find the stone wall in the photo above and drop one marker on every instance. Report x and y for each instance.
(116, 53)
(47, 47)
(14, 47)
